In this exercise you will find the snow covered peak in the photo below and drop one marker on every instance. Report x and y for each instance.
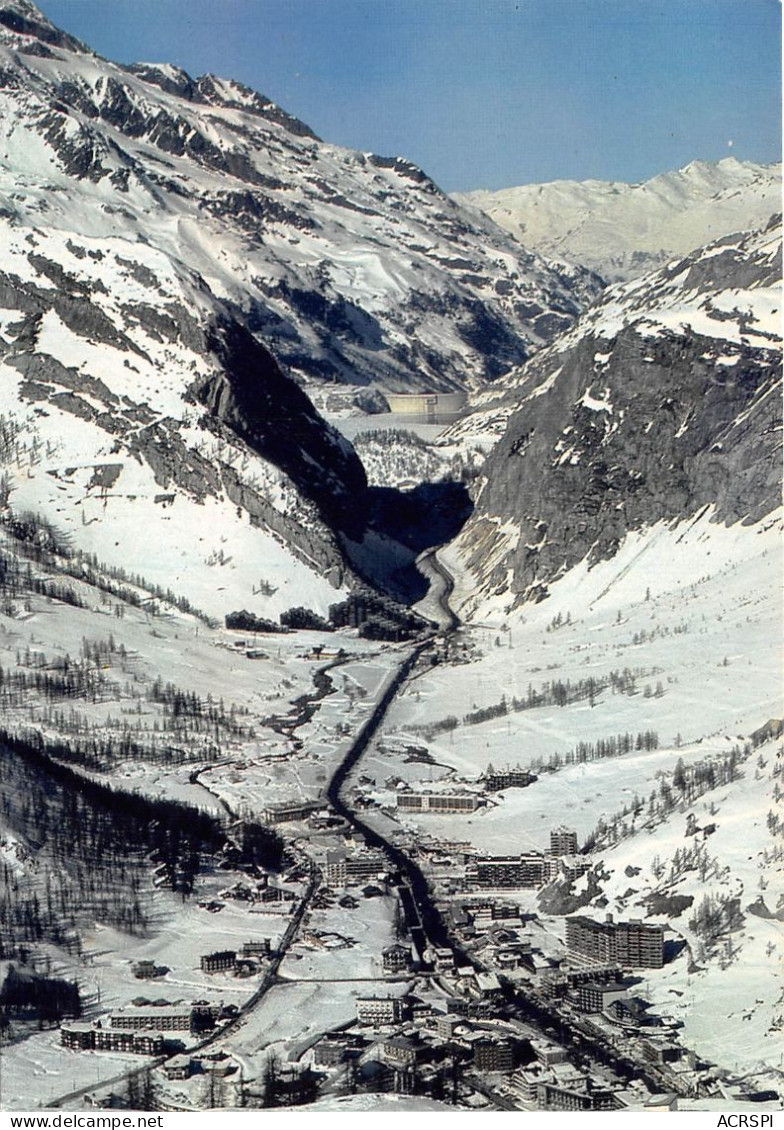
(663, 401)
(624, 230)
(21, 19)
(351, 268)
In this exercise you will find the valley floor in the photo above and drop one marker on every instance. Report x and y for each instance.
(675, 642)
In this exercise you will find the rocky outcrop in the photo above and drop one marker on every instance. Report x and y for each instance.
(249, 394)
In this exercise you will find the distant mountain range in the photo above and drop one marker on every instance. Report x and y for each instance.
(623, 230)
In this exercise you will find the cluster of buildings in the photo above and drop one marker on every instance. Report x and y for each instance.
(529, 869)
(243, 961)
(81, 1035)
(143, 1029)
(407, 1044)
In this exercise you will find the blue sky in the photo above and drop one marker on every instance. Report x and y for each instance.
(483, 93)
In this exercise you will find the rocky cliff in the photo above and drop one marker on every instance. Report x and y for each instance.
(664, 400)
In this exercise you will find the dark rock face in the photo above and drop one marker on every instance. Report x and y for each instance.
(25, 19)
(615, 433)
(273, 415)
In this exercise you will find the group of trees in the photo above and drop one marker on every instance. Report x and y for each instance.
(716, 914)
(690, 857)
(187, 710)
(37, 539)
(18, 581)
(27, 995)
(613, 746)
(559, 692)
(100, 845)
(685, 784)
(38, 684)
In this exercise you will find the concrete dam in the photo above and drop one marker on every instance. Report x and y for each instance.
(427, 407)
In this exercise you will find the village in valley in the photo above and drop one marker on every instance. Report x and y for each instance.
(390, 581)
(473, 938)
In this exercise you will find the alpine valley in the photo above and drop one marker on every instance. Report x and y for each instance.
(352, 756)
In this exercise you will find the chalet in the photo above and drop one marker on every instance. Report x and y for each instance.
(496, 780)
(178, 1067)
(396, 958)
(401, 1051)
(379, 1010)
(258, 948)
(144, 970)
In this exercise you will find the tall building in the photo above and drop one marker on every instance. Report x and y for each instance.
(632, 944)
(342, 869)
(219, 961)
(528, 870)
(563, 841)
(494, 1055)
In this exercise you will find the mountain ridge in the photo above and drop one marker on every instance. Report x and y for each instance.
(622, 230)
(662, 402)
(350, 267)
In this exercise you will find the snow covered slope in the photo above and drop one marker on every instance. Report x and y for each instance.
(348, 266)
(665, 399)
(153, 430)
(623, 230)
(694, 610)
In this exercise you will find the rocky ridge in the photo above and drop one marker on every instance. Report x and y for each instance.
(350, 267)
(663, 401)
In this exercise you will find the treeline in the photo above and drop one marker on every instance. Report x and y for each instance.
(684, 785)
(99, 751)
(184, 708)
(40, 541)
(613, 746)
(559, 692)
(42, 682)
(18, 581)
(77, 681)
(99, 844)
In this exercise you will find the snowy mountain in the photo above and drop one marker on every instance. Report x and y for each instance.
(623, 230)
(348, 266)
(663, 402)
